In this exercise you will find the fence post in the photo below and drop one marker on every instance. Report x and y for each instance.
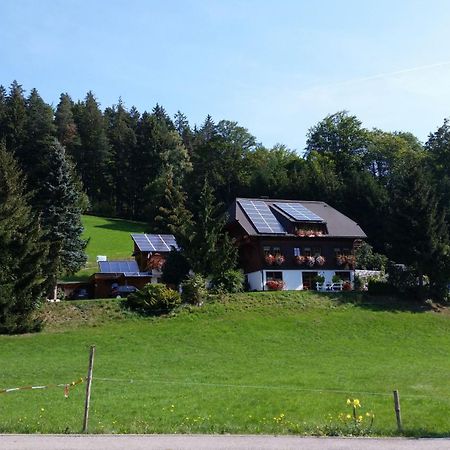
(88, 389)
(397, 411)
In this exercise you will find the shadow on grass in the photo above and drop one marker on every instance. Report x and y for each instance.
(122, 225)
(378, 303)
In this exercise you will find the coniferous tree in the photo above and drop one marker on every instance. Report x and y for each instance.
(23, 251)
(174, 217)
(122, 139)
(61, 217)
(66, 128)
(208, 248)
(13, 130)
(93, 154)
(40, 133)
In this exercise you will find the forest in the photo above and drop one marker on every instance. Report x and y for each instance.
(59, 162)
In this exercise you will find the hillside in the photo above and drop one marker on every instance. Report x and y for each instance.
(250, 363)
(107, 236)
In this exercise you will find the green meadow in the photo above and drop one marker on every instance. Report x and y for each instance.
(109, 237)
(271, 362)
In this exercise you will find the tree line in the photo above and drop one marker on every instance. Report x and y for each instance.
(148, 166)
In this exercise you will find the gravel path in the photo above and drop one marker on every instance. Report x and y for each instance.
(203, 442)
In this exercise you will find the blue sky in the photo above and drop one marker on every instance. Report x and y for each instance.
(276, 67)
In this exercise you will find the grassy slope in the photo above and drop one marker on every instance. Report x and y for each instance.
(110, 237)
(287, 352)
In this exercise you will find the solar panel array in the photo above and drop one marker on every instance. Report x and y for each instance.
(155, 242)
(299, 212)
(262, 217)
(126, 267)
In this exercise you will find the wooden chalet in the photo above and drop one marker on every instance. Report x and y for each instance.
(288, 243)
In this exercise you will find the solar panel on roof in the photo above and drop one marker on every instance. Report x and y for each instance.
(261, 217)
(299, 212)
(118, 266)
(155, 242)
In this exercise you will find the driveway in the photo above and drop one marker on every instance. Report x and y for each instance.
(203, 442)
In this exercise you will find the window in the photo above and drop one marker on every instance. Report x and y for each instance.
(337, 252)
(307, 251)
(276, 251)
(346, 252)
(317, 251)
(344, 276)
(274, 276)
(266, 250)
(297, 251)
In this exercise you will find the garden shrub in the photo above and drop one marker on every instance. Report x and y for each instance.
(153, 299)
(231, 281)
(380, 287)
(193, 290)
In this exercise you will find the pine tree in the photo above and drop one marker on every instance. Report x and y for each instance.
(23, 251)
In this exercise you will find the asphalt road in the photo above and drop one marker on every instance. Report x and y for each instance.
(203, 442)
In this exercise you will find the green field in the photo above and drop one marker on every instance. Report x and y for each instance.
(106, 236)
(251, 363)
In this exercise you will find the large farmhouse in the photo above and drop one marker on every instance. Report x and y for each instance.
(291, 243)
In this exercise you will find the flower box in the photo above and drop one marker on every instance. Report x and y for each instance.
(270, 259)
(279, 259)
(310, 260)
(320, 260)
(275, 285)
(300, 260)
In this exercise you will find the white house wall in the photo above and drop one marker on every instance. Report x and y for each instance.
(255, 280)
(293, 279)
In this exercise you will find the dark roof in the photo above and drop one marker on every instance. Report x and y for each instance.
(155, 242)
(127, 267)
(337, 224)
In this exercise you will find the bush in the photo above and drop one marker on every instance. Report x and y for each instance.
(193, 290)
(230, 281)
(153, 299)
(379, 287)
(175, 268)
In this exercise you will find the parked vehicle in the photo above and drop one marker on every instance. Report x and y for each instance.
(79, 294)
(122, 291)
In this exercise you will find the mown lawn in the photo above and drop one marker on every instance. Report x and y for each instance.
(109, 237)
(253, 363)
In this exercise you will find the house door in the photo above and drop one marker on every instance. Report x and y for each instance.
(309, 281)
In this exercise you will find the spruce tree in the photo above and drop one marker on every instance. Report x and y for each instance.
(174, 217)
(22, 253)
(93, 155)
(66, 128)
(208, 248)
(13, 129)
(122, 139)
(61, 217)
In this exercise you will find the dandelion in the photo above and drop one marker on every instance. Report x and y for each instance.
(348, 416)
